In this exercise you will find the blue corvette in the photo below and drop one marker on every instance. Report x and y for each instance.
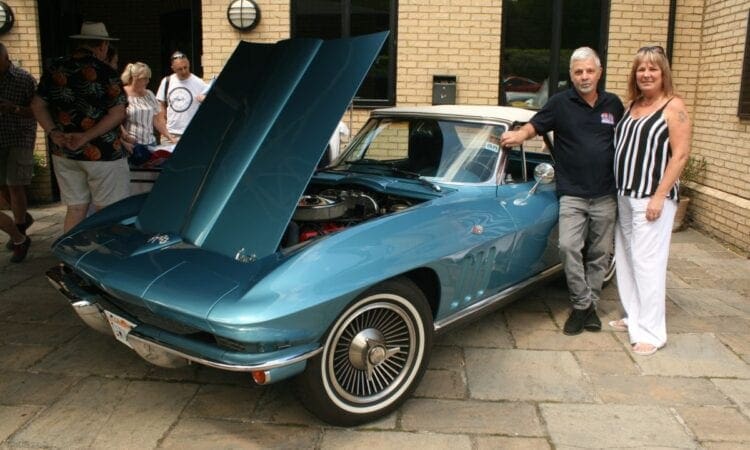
(245, 257)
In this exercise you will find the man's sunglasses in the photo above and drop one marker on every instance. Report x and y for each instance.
(178, 56)
(652, 49)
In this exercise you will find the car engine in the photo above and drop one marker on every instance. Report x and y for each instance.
(332, 210)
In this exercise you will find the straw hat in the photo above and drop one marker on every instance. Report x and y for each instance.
(95, 31)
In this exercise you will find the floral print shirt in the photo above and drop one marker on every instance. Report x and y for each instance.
(79, 91)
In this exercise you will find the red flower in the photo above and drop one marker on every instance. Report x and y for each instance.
(89, 73)
(59, 78)
(92, 152)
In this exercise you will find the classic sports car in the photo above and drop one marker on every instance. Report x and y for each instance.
(245, 257)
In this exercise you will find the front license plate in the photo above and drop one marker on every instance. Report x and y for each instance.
(120, 327)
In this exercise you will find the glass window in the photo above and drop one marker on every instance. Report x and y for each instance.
(441, 150)
(538, 38)
(330, 19)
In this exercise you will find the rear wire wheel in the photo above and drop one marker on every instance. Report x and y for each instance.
(375, 354)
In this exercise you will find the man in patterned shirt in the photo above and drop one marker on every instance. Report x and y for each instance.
(80, 103)
(17, 135)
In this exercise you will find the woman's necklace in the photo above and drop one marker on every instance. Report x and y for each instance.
(649, 102)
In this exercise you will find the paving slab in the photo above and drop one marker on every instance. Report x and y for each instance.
(694, 355)
(715, 423)
(606, 363)
(279, 405)
(738, 391)
(509, 443)
(37, 334)
(103, 413)
(13, 417)
(224, 402)
(212, 434)
(489, 331)
(449, 357)
(471, 417)
(30, 388)
(663, 391)
(614, 426)
(20, 357)
(556, 340)
(441, 383)
(146, 411)
(94, 353)
(738, 343)
(710, 302)
(526, 375)
(367, 440)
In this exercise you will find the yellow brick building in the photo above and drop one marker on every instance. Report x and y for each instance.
(463, 38)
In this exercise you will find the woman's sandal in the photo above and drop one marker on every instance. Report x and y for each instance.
(644, 349)
(619, 325)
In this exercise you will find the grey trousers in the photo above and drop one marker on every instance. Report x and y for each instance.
(586, 223)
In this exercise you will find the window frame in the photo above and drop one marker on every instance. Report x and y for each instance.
(390, 44)
(743, 103)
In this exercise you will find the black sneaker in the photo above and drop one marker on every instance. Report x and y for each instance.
(21, 229)
(20, 250)
(576, 320)
(592, 322)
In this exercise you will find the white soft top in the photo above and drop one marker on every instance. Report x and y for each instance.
(499, 113)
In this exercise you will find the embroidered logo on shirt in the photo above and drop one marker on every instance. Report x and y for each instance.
(608, 118)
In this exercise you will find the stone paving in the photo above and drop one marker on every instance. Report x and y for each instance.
(511, 380)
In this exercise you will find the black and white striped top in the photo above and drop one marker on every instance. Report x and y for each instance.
(642, 152)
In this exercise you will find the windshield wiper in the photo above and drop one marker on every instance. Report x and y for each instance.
(415, 176)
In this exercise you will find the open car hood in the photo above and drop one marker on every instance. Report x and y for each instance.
(239, 170)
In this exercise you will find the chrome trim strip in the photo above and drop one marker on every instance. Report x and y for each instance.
(495, 300)
(218, 365)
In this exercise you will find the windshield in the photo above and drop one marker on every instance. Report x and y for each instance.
(441, 150)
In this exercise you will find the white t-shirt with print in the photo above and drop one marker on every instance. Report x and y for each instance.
(183, 101)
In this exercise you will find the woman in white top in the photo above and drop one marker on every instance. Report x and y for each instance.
(143, 108)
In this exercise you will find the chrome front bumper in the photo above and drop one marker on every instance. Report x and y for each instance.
(87, 305)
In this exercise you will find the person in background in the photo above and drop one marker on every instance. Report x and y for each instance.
(652, 146)
(17, 136)
(143, 108)
(583, 120)
(80, 104)
(113, 58)
(180, 95)
(333, 149)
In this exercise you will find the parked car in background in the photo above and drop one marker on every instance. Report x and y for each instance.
(245, 257)
(515, 83)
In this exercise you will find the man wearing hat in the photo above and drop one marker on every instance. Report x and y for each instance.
(80, 103)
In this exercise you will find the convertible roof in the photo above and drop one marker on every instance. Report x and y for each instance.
(245, 159)
(495, 113)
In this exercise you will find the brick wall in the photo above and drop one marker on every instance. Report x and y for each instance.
(722, 201)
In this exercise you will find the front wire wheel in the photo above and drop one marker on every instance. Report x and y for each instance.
(373, 358)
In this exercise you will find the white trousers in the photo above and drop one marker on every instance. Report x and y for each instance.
(641, 254)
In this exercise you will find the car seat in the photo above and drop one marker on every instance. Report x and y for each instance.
(425, 147)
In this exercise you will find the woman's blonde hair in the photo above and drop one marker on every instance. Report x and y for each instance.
(654, 55)
(134, 71)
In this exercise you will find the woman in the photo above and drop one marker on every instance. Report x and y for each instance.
(651, 149)
(143, 108)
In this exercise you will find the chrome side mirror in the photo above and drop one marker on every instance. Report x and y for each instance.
(544, 173)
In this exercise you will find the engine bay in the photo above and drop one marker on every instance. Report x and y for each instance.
(328, 210)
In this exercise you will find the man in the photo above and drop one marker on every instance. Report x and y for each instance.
(583, 120)
(80, 103)
(17, 136)
(180, 95)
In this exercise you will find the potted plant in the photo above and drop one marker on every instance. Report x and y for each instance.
(693, 173)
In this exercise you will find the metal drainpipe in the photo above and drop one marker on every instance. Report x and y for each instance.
(670, 28)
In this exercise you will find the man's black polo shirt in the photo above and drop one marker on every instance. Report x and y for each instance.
(583, 148)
